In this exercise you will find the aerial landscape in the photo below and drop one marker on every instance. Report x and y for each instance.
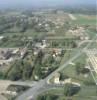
(48, 50)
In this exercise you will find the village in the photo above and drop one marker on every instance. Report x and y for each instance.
(47, 49)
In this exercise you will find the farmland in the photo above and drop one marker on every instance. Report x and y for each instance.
(48, 49)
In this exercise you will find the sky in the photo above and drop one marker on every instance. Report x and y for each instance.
(41, 3)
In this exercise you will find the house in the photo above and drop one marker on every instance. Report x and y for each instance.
(57, 78)
(79, 32)
(23, 52)
(41, 45)
(56, 52)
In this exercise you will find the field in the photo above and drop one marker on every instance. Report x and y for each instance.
(84, 19)
(87, 92)
(61, 33)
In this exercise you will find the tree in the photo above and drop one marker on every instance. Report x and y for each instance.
(85, 71)
(47, 97)
(5, 39)
(27, 71)
(79, 68)
(16, 72)
(1, 75)
(67, 26)
(55, 44)
(70, 89)
(20, 70)
(63, 77)
(39, 57)
(67, 89)
(51, 59)
(38, 71)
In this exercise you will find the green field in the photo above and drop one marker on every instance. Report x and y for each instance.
(70, 71)
(91, 33)
(84, 20)
(29, 33)
(86, 93)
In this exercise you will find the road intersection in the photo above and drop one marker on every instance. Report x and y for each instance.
(43, 85)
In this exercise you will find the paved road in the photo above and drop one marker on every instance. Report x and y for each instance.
(65, 65)
(39, 88)
(30, 84)
(43, 85)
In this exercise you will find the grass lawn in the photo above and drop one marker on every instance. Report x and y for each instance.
(12, 42)
(29, 32)
(93, 45)
(32, 33)
(86, 93)
(68, 54)
(91, 33)
(70, 71)
(14, 39)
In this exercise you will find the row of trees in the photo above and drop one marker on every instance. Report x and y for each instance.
(69, 90)
(22, 23)
(14, 41)
(43, 67)
(47, 97)
(24, 70)
(20, 69)
(37, 23)
(67, 43)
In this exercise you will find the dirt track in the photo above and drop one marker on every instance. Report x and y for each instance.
(72, 17)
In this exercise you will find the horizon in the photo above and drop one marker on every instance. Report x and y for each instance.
(44, 3)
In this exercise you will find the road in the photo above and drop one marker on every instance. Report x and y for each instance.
(30, 84)
(44, 85)
(64, 65)
(85, 41)
(39, 88)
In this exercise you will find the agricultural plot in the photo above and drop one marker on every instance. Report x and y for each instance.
(87, 92)
(71, 72)
(84, 19)
(91, 33)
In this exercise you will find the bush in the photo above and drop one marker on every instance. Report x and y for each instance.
(47, 97)
(1, 75)
(63, 77)
(70, 90)
(20, 70)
